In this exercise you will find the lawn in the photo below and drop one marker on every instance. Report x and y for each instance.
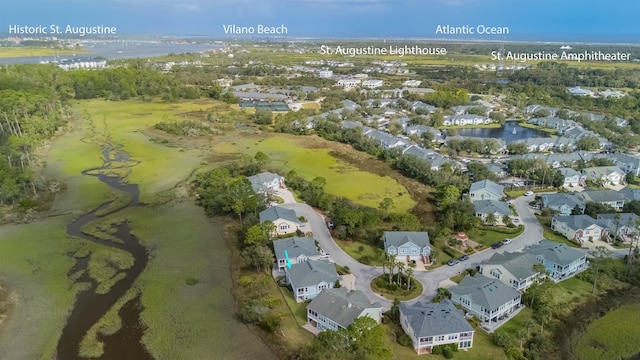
(603, 338)
(488, 237)
(358, 250)
(550, 235)
(532, 126)
(517, 323)
(342, 179)
(570, 293)
(401, 294)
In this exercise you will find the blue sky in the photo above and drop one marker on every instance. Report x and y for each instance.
(336, 18)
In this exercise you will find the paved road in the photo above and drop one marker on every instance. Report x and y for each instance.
(533, 233)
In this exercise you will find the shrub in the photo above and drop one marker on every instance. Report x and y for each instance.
(448, 353)
(192, 281)
(404, 340)
(271, 322)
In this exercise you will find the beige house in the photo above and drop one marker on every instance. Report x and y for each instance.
(285, 220)
(513, 269)
(605, 175)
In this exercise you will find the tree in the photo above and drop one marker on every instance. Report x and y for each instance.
(262, 117)
(369, 339)
(385, 204)
(588, 143)
(599, 256)
(255, 236)
(392, 262)
(490, 219)
(411, 267)
(259, 256)
(262, 158)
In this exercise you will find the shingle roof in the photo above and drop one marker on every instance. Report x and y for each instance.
(624, 219)
(600, 196)
(554, 252)
(488, 293)
(520, 265)
(559, 199)
(577, 222)
(312, 272)
(276, 212)
(341, 305)
(432, 319)
(489, 185)
(262, 178)
(492, 207)
(399, 238)
(630, 193)
(568, 172)
(295, 247)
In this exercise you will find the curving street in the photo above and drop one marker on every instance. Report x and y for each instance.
(533, 232)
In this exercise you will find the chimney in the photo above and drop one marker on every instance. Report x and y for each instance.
(349, 306)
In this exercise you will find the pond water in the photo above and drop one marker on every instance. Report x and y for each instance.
(504, 132)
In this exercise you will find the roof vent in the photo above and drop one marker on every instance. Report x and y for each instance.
(349, 305)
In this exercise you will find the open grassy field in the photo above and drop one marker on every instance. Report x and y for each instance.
(342, 179)
(613, 336)
(488, 237)
(23, 51)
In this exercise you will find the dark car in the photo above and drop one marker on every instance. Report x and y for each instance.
(464, 257)
(496, 245)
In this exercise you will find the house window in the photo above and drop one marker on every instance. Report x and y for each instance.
(495, 273)
(465, 301)
(464, 344)
(284, 227)
(440, 338)
(453, 337)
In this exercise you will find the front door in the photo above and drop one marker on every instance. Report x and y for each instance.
(408, 258)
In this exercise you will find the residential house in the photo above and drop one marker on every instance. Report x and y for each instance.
(467, 119)
(558, 160)
(499, 209)
(627, 163)
(551, 122)
(386, 140)
(436, 160)
(488, 299)
(512, 268)
(422, 106)
(543, 144)
(309, 278)
(407, 245)
(630, 194)
(605, 175)
(486, 190)
(498, 170)
(349, 83)
(433, 324)
(372, 83)
(620, 225)
(572, 177)
(563, 204)
(285, 220)
(561, 261)
(418, 130)
(266, 182)
(532, 109)
(295, 250)
(337, 308)
(578, 91)
(605, 197)
(579, 228)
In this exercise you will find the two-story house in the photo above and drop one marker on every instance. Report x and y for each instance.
(486, 190)
(432, 324)
(626, 162)
(285, 220)
(572, 177)
(579, 228)
(337, 308)
(605, 197)
(266, 182)
(309, 278)
(561, 261)
(563, 204)
(513, 269)
(605, 175)
(407, 245)
(622, 225)
(488, 299)
(499, 209)
(295, 250)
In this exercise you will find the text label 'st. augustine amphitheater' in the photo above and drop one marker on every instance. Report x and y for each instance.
(61, 30)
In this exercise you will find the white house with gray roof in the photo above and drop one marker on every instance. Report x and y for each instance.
(579, 228)
(605, 175)
(499, 209)
(572, 177)
(337, 308)
(486, 190)
(605, 197)
(563, 204)
(561, 261)
(296, 250)
(621, 225)
(266, 182)
(512, 268)
(285, 220)
(433, 324)
(488, 299)
(434, 159)
(627, 163)
(407, 245)
(309, 278)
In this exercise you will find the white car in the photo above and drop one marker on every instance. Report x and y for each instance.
(528, 193)
(506, 241)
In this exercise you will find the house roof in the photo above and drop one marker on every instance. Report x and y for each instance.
(265, 177)
(554, 252)
(520, 265)
(341, 305)
(488, 293)
(295, 247)
(312, 272)
(399, 238)
(600, 196)
(432, 319)
(624, 219)
(630, 193)
(633, 160)
(492, 207)
(600, 171)
(276, 212)
(577, 222)
(568, 172)
(489, 186)
(559, 199)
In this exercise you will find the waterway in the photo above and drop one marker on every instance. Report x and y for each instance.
(119, 49)
(505, 132)
(89, 306)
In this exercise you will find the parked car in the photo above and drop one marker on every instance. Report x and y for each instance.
(496, 245)
(464, 257)
(528, 193)
(452, 262)
(506, 241)
(330, 224)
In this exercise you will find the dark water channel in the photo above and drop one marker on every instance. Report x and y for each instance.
(89, 306)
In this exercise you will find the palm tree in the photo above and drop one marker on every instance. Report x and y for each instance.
(401, 266)
(409, 273)
(506, 219)
(490, 219)
(392, 265)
